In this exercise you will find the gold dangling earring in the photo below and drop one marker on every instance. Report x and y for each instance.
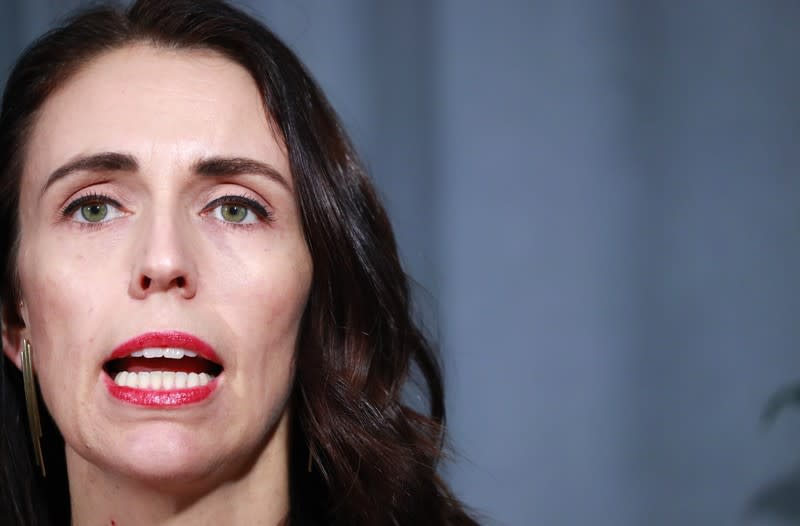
(32, 402)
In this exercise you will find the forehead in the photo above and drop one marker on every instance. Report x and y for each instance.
(156, 104)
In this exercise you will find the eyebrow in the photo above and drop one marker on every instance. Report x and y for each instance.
(98, 162)
(227, 166)
(122, 162)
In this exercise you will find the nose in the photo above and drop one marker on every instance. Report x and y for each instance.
(163, 260)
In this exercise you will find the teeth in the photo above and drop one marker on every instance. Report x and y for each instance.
(160, 352)
(161, 379)
(167, 380)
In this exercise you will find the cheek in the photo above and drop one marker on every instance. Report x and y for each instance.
(63, 296)
(268, 293)
(61, 290)
(263, 305)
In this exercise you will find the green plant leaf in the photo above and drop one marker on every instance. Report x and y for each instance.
(784, 397)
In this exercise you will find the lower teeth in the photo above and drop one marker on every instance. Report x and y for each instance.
(161, 379)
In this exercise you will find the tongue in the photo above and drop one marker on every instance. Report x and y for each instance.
(185, 364)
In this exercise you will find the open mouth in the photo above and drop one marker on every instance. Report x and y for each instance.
(159, 368)
(163, 369)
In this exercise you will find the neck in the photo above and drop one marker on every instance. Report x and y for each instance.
(258, 494)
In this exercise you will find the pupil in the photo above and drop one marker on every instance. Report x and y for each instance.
(94, 212)
(234, 213)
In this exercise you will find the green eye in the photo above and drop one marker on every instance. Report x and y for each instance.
(236, 211)
(93, 209)
(233, 213)
(94, 212)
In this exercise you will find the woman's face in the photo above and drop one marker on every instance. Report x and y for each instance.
(158, 211)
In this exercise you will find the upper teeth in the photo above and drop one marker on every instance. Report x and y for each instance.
(162, 352)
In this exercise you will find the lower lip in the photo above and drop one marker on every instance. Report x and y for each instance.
(161, 398)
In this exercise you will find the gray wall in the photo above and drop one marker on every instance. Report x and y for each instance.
(602, 200)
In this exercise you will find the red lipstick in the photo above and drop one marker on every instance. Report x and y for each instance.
(165, 339)
(162, 398)
(165, 398)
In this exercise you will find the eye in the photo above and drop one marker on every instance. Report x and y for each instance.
(237, 210)
(235, 213)
(93, 209)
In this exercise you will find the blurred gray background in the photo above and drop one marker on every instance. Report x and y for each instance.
(602, 202)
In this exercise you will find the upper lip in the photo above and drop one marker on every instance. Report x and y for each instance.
(164, 339)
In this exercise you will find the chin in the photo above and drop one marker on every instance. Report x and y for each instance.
(164, 454)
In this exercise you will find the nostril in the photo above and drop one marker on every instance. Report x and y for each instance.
(180, 281)
(145, 282)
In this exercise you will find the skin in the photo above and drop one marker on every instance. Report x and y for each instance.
(240, 287)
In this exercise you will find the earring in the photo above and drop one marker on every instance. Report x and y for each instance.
(32, 403)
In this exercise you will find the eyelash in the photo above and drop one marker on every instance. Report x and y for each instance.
(239, 200)
(90, 199)
(255, 207)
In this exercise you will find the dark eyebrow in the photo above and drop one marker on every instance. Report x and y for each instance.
(98, 162)
(226, 166)
(123, 162)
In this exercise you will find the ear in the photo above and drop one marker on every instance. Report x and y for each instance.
(12, 344)
(12, 338)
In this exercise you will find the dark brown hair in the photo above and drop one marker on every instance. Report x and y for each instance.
(374, 458)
